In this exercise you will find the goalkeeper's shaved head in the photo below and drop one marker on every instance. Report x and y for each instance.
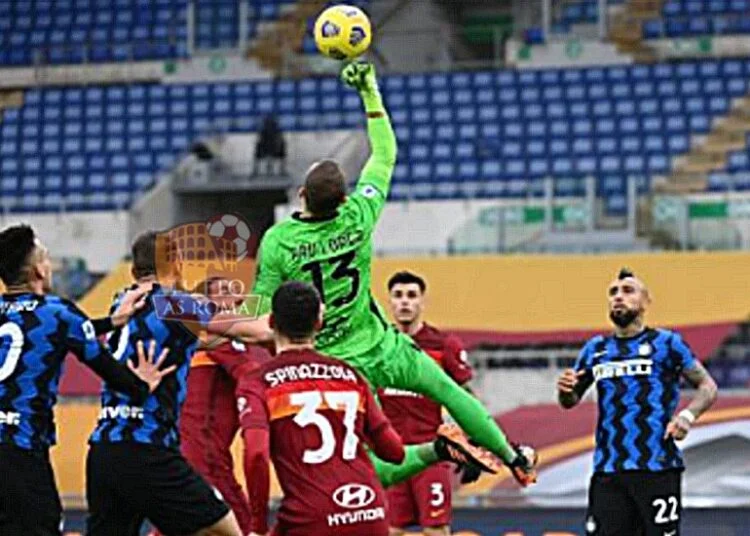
(324, 189)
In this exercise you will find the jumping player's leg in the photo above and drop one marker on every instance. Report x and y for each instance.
(400, 363)
(451, 445)
(417, 459)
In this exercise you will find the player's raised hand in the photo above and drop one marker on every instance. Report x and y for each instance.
(567, 381)
(132, 301)
(148, 369)
(523, 466)
(360, 76)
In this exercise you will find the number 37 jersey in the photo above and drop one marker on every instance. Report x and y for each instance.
(334, 254)
(320, 414)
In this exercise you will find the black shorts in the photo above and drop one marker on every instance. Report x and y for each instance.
(635, 504)
(29, 502)
(129, 482)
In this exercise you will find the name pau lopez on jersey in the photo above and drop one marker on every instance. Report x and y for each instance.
(310, 250)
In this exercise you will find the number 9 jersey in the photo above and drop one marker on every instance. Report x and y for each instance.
(319, 413)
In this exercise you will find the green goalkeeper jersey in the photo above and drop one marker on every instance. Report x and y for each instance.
(335, 254)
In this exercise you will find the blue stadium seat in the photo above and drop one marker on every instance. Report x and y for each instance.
(484, 137)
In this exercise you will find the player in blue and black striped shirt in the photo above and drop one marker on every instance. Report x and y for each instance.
(636, 486)
(37, 330)
(134, 469)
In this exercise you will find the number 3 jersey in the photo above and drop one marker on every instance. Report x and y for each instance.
(319, 413)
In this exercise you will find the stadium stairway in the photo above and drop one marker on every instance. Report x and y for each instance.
(626, 29)
(10, 99)
(712, 152)
(283, 35)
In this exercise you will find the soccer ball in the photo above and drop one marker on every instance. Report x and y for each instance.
(230, 227)
(343, 32)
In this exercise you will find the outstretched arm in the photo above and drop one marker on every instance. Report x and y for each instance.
(375, 180)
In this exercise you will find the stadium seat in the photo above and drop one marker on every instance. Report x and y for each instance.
(483, 136)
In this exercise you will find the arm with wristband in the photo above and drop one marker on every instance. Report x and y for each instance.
(706, 390)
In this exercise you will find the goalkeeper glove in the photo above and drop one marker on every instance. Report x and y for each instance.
(361, 77)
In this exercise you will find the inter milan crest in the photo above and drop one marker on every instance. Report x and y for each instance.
(645, 350)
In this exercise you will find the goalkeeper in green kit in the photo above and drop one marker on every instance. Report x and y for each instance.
(329, 244)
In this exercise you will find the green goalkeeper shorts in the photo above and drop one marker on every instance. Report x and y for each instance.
(398, 362)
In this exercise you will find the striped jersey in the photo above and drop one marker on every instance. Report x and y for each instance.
(638, 386)
(36, 333)
(154, 422)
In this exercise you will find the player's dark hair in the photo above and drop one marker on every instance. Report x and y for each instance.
(406, 278)
(16, 245)
(295, 307)
(144, 255)
(325, 188)
(625, 273)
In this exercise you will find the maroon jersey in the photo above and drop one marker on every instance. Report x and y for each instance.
(319, 413)
(415, 417)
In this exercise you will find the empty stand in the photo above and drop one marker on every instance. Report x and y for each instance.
(581, 11)
(682, 18)
(69, 31)
(466, 134)
(75, 31)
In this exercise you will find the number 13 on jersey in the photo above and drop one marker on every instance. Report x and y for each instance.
(333, 288)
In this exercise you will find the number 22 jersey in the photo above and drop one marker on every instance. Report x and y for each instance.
(318, 412)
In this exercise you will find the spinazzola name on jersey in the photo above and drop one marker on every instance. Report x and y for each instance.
(313, 371)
